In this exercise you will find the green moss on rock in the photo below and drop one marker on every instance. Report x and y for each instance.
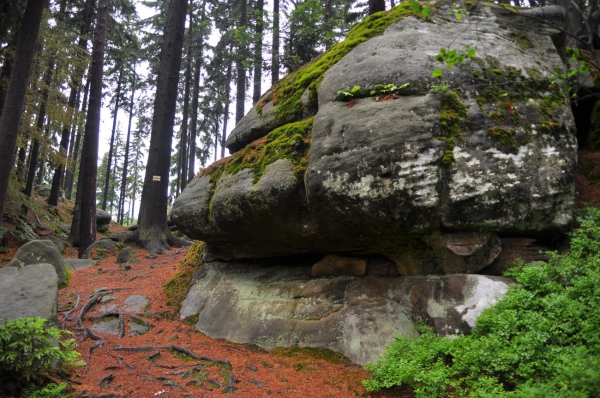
(177, 288)
(452, 114)
(291, 141)
(505, 137)
(287, 93)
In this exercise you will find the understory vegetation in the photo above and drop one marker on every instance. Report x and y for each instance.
(31, 353)
(540, 340)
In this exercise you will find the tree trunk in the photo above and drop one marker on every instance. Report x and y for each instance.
(42, 168)
(13, 109)
(126, 160)
(75, 88)
(183, 141)
(68, 172)
(77, 146)
(35, 147)
(258, 58)
(376, 6)
(241, 69)
(112, 141)
(193, 128)
(153, 233)
(275, 48)
(5, 73)
(226, 113)
(87, 228)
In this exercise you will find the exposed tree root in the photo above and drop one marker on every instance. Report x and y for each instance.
(97, 344)
(158, 245)
(87, 306)
(87, 332)
(174, 348)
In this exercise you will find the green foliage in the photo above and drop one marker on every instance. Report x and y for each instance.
(30, 349)
(52, 390)
(287, 93)
(540, 340)
(452, 57)
(594, 140)
(375, 91)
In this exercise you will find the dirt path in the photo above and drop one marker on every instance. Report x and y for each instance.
(153, 370)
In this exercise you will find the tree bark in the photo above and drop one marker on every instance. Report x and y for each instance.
(89, 157)
(126, 160)
(77, 145)
(153, 233)
(376, 6)
(35, 147)
(258, 58)
(13, 109)
(193, 128)
(226, 113)
(183, 141)
(275, 48)
(112, 140)
(240, 68)
(75, 88)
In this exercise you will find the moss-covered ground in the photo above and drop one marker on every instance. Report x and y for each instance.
(177, 288)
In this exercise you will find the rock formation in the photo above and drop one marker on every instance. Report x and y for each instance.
(401, 184)
(427, 179)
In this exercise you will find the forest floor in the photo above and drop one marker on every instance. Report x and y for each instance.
(150, 365)
(160, 362)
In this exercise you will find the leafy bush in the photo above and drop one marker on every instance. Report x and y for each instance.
(30, 350)
(540, 340)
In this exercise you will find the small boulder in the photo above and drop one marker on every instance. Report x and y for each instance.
(29, 291)
(103, 245)
(74, 264)
(102, 220)
(56, 241)
(43, 190)
(335, 265)
(125, 255)
(41, 251)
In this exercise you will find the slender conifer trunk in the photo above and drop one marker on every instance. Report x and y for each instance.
(87, 229)
(13, 109)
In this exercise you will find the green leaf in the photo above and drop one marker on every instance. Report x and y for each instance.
(425, 12)
(437, 73)
(472, 53)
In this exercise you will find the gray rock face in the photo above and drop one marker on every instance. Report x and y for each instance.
(56, 241)
(252, 126)
(125, 255)
(29, 291)
(427, 179)
(41, 251)
(102, 220)
(78, 264)
(357, 316)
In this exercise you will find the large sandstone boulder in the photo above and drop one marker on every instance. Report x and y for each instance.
(282, 305)
(41, 251)
(102, 220)
(428, 179)
(29, 291)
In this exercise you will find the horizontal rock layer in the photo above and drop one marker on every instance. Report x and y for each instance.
(283, 305)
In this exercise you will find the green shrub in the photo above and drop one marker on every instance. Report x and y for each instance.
(540, 340)
(29, 350)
